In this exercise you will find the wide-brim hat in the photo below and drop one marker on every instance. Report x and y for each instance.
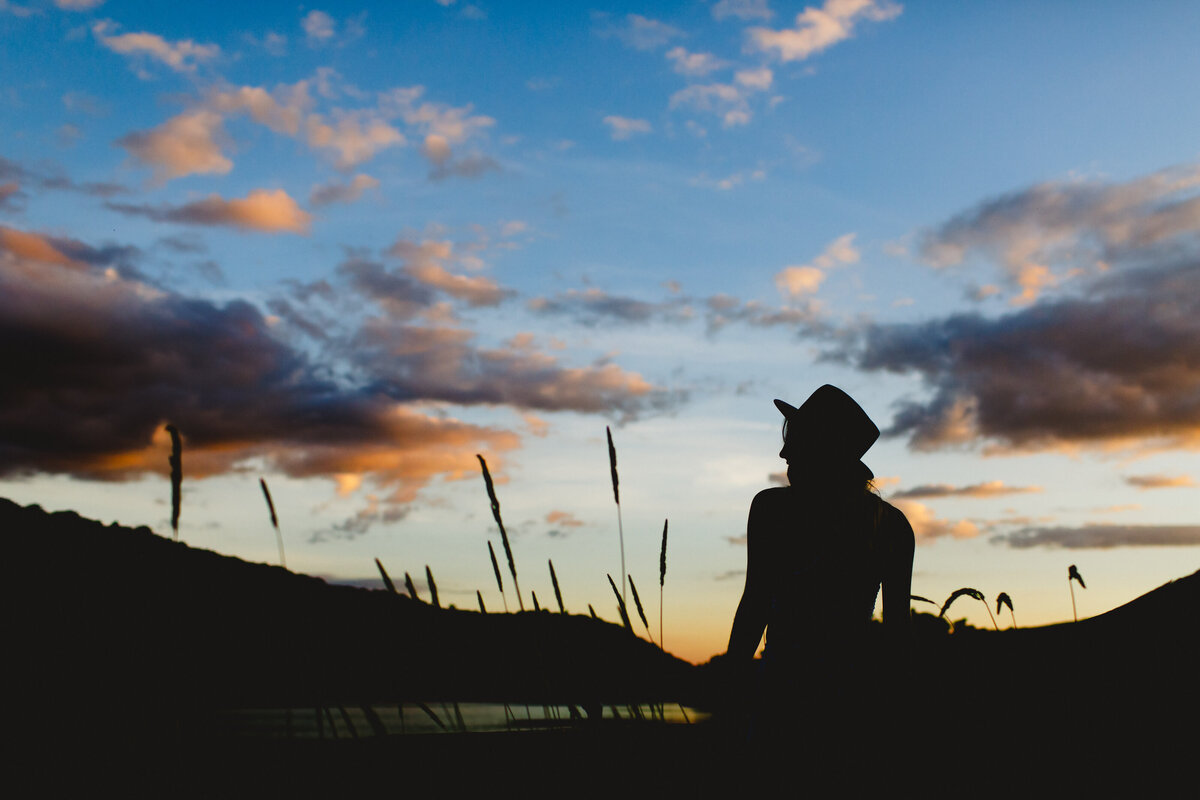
(832, 421)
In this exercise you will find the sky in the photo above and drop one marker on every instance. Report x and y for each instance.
(346, 248)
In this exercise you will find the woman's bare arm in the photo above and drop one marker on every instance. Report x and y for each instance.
(751, 618)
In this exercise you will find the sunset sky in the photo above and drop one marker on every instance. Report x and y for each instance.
(346, 247)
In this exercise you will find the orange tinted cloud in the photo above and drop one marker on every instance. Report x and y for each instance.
(267, 211)
(1159, 481)
(186, 144)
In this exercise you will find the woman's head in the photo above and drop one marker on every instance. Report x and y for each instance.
(825, 438)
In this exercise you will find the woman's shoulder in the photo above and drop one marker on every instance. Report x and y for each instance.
(776, 495)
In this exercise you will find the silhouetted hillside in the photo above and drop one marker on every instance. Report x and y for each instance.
(116, 612)
(111, 626)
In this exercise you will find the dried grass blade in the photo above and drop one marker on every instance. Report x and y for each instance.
(620, 605)
(387, 581)
(557, 593)
(274, 521)
(176, 462)
(432, 587)
(491, 492)
(408, 584)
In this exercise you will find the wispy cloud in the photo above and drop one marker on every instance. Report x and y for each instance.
(987, 489)
(329, 193)
(1045, 234)
(694, 64)
(621, 128)
(638, 32)
(186, 144)
(817, 29)
(928, 526)
(1160, 481)
(742, 9)
(181, 56)
(802, 279)
(265, 211)
(1102, 537)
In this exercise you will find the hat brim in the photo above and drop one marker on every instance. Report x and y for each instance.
(788, 411)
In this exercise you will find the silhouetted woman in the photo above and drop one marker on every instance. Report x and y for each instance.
(817, 554)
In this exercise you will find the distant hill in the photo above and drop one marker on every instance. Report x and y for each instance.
(107, 611)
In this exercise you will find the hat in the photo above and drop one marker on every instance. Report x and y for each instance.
(831, 418)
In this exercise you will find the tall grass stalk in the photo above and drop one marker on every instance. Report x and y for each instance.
(479, 597)
(1003, 599)
(557, 594)
(536, 607)
(432, 587)
(612, 467)
(499, 580)
(387, 580)
(1073, 575)
(637, 601)
(592, 611)
(662, 577)
(408, 584)
(176, 462)
(966, 591)
(491, 491)
(274, 521)
(620, 605)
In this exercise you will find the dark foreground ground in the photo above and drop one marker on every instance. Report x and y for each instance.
(123, 647)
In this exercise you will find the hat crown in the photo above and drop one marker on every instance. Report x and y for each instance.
(833, 416)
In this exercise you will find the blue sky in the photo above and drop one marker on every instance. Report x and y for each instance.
(346, 247)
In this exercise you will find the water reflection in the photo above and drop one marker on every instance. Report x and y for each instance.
(346, 722)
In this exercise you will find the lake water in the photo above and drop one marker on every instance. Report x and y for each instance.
(351, 721)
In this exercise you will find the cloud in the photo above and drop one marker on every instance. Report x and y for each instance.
(106, 361)
(353, 136)
(11, 196)
(622, 128)
(641, 33)
(445, 165)
(44, 178)
(928, 526)
(1102, 537)
(262, 210)
(593, 306)
(78, 5)
(425, 262)
(1045, 234)
(817, 29)
(1116, 367)
(694, 64)
(759, 79)
(16, 10)
(318, 26)
(987, 489)
(439, 362)
(329, 193)
(731, 181)
(796, 281)
(742, 9)
(443, 126)
(186, 144)
(181, 56)
(1159, 481)
(562, 519)
(722, 99)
